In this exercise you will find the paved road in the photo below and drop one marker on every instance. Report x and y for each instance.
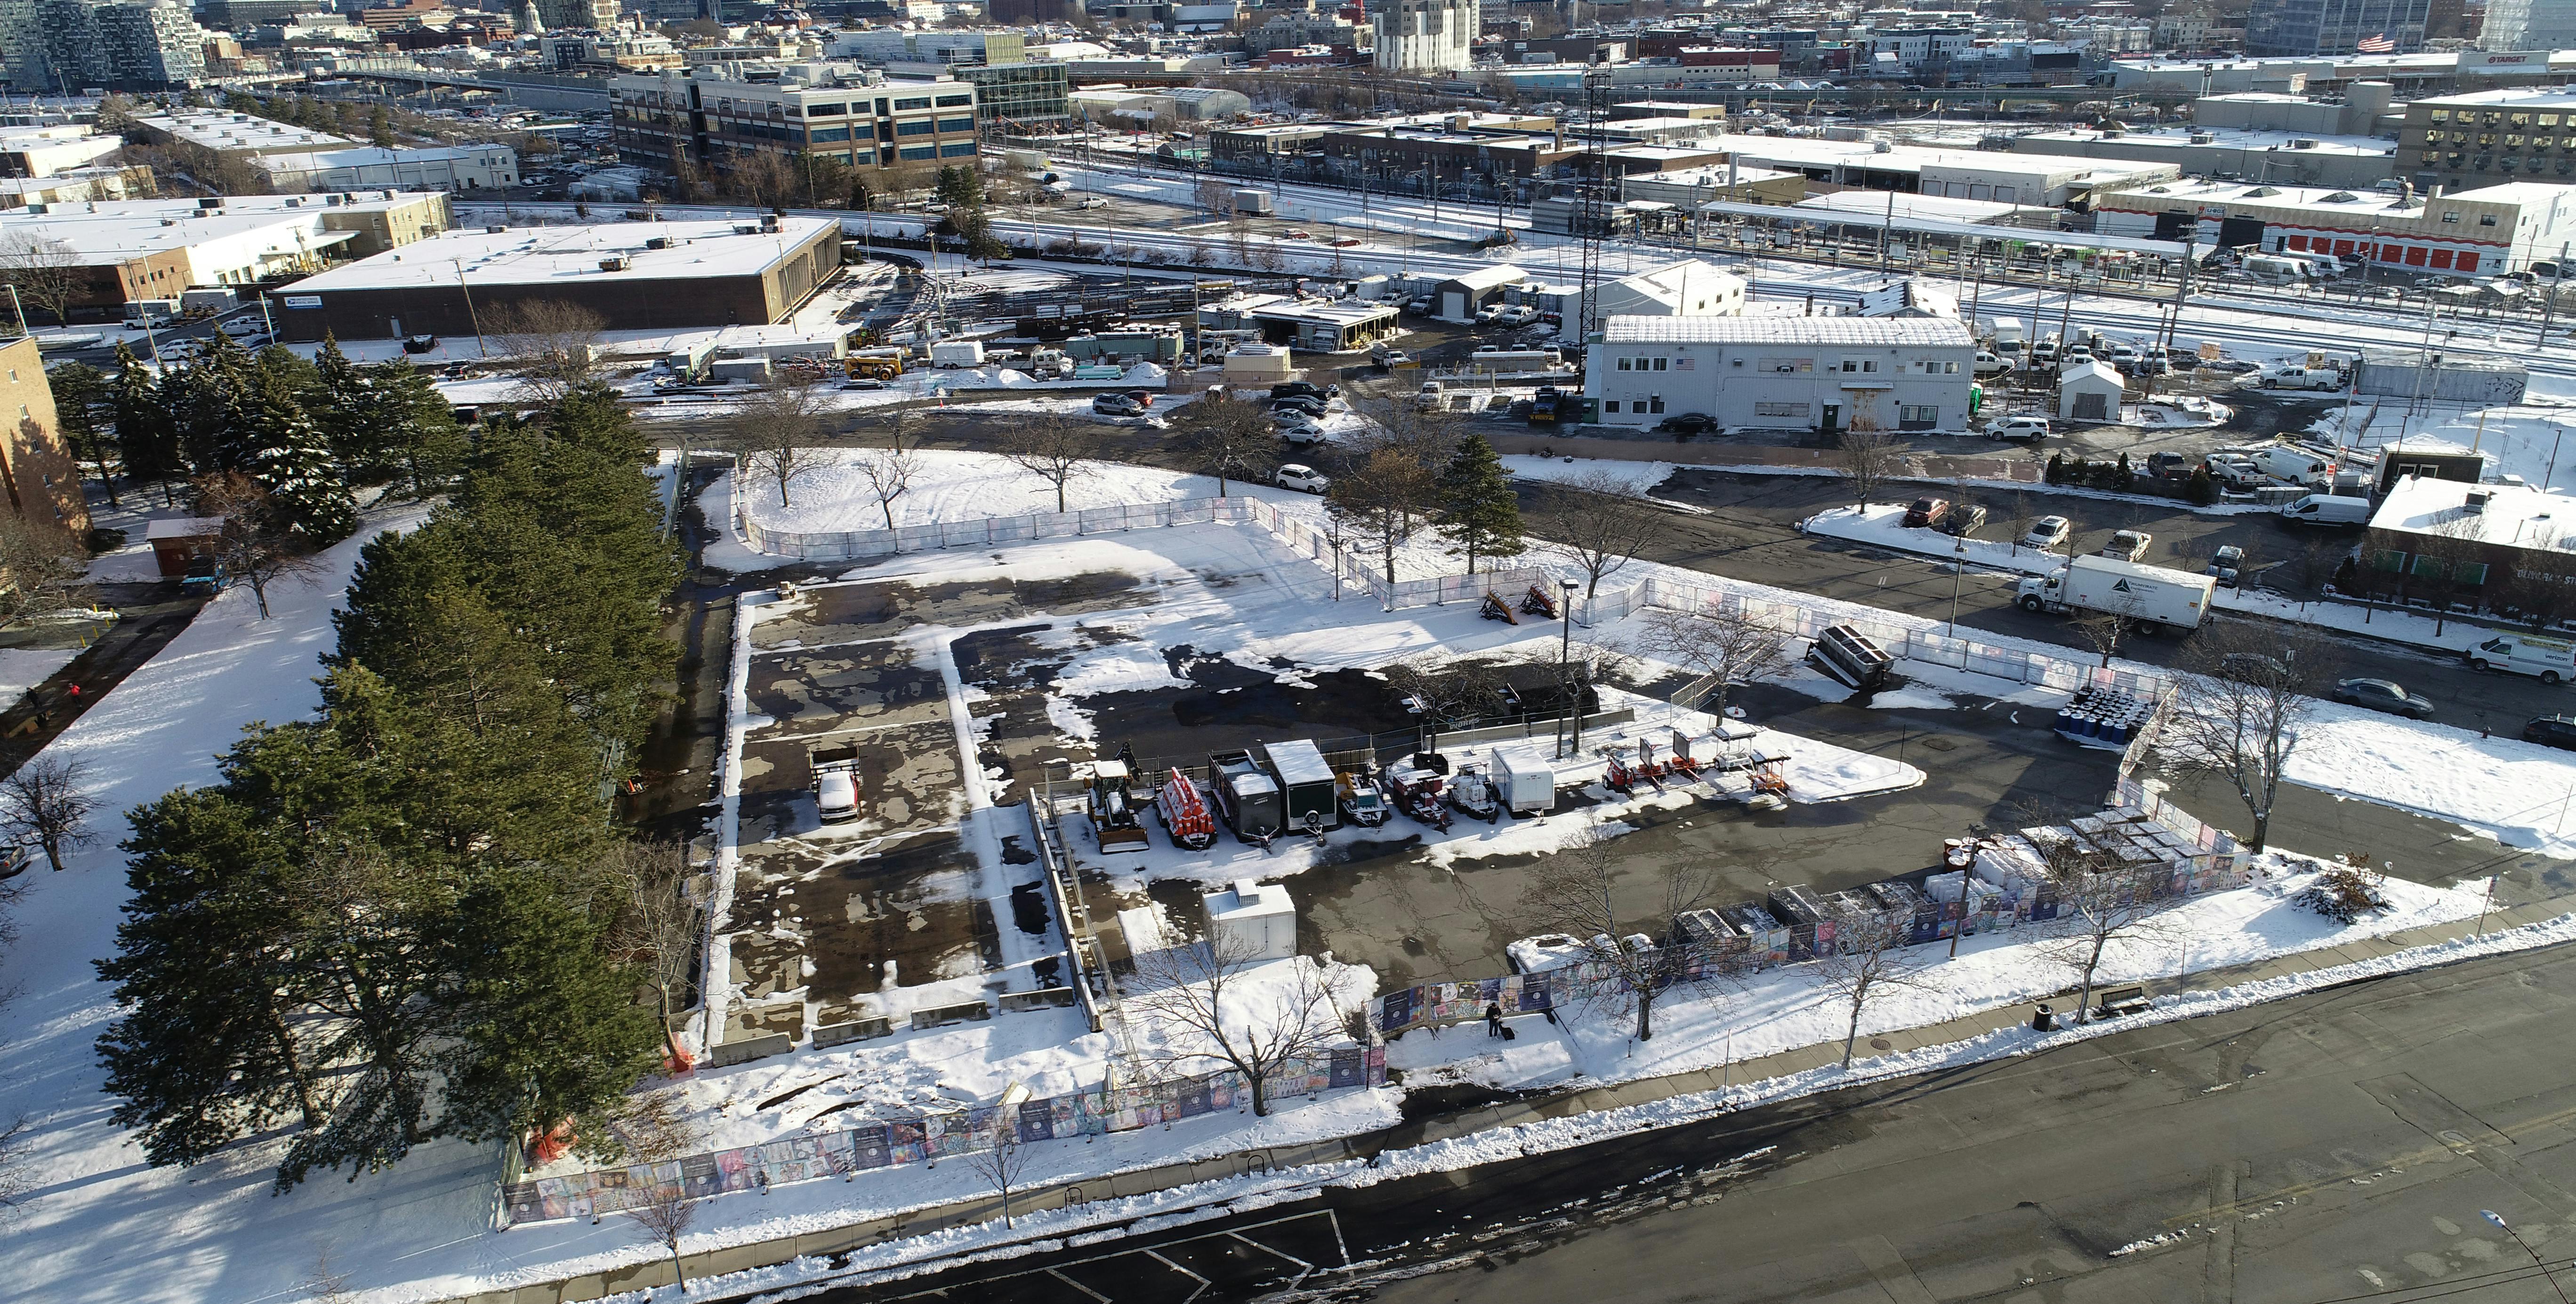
(2330, 1148)
(149, 616)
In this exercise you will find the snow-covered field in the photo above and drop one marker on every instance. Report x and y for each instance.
(22, 668)
(1883, 524)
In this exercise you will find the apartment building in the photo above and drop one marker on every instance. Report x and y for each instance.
(2490, 137)
(1426, 35)
(842, 112)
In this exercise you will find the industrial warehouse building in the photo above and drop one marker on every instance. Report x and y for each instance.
(636, 275)
(1821, 373)
(2472, 233)
(118, 251)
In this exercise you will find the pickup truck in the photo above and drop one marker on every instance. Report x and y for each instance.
(2312, 378)
(836, 782)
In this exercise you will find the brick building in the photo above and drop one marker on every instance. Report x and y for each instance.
(36, 471)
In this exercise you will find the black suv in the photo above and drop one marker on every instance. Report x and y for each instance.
(2552, 731)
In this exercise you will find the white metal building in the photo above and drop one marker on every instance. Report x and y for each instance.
(1825, 373)
(2090, 392)
(1689, 288)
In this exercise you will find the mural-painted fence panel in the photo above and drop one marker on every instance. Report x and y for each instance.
(881, 1143)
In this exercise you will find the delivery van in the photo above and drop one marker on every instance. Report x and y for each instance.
(2550, 660)
(2326, 510)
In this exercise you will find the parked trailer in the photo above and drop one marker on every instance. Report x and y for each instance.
(1253, 202)
(217, 299)
(1310, 800)
(1248, 797)
(2150, 596)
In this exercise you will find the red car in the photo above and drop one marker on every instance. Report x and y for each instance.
(1927, 511)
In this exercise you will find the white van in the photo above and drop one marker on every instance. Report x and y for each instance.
(2266, 270)
(2283, 462)
(2550, 660)
(2326, 510)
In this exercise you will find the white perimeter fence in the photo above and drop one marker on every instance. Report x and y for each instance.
(1350, 568)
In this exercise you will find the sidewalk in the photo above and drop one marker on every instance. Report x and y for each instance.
(1564, 1103)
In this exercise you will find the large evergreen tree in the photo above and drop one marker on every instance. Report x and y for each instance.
(341, 402)
(85, 410)
(145, 430)
(288, 455)
(417, 441)
(1480, 515)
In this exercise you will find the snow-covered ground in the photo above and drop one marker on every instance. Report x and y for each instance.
(1782, 1009)
(2525, 439)
(22, 668)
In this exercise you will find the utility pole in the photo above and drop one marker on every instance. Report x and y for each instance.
(2548, 307)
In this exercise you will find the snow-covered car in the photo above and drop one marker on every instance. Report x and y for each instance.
(1296, 475)
(863, 382)
(2048, 533)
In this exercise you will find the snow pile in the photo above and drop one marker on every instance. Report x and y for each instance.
(1883, 525)
(1639, 477)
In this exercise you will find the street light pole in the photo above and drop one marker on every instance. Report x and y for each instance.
(1564, 667)
(1958, 569)
(2498, 1219)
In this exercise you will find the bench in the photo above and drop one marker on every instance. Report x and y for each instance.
(2117, 1001)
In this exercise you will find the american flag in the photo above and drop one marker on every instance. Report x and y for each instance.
(2380, 44)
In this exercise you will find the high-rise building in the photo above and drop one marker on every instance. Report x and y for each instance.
(860, 117)
(1427, 35)
(2307, 29)
(62, 46)
(2529, 25)
(151, 47)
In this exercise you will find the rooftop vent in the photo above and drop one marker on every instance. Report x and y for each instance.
(658, 242)
(616, 263)
(2204, 138)
(496, 230)
(2475, 503)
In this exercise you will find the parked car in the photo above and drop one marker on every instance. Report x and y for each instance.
(2552, 731)
(1689, 423)
(1298, 476)
(1990, 365)
(1519, 314)
(2382, 695)
(863, 382)
(1926, 512)
(1306, 403)
(2228, 566)
(2128, 545)
(2031, 428)
(205, 575)
(2048, 533)
(2168, 466)
(1117, 405)
(250, 325)
(1963, 519)
(411, 343)
(1091, 201)
(1310, 389)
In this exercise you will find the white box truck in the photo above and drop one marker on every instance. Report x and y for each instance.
(2150, 596)
(1254, 202)
(218, 299)
(143, 313)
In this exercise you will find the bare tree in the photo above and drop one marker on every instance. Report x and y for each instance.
(1446, 691)
(658, 923)
(2239, 717)
(889, 470)
(1004, 1160)
(1866, 961)
(1576, 893)
(1598, 521)
(47, 801)
(1867, 458)
(1228, 438)
(1205, 992)
(325, 1282)
(2105, 900)
(2314, 563)
(44, 569)
(45, 272)
(17, 1168)
(2020, 519)
(2445, 560)
(1729, 647)
(1052, 449)
(253, 545)
(552, 346)
(666, 1214)
(1378, 498)
(776, 433)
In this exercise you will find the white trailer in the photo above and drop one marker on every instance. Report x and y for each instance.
(952, 354)
(2150, 596)
(1524, 784)
(1255, 202)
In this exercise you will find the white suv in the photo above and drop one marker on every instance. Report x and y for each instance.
(1296, 476)
(2027, 427)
